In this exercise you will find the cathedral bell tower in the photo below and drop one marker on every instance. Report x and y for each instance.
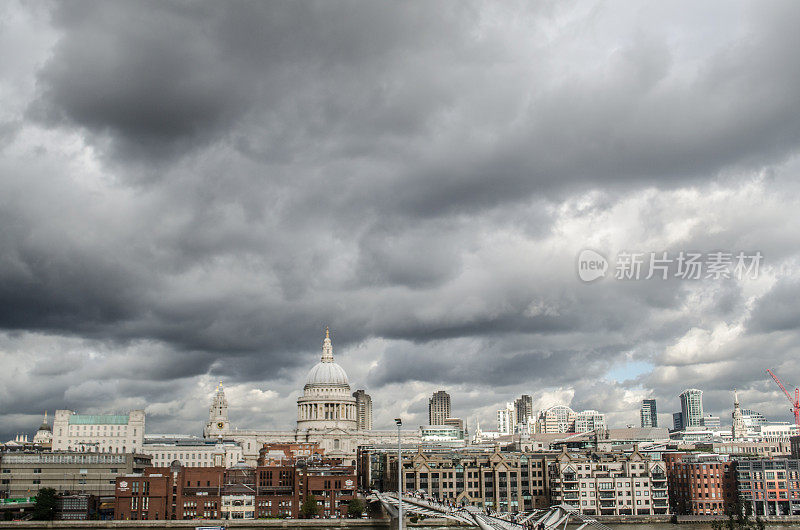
(218, 423)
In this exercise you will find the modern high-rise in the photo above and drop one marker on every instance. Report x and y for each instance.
(523, 408)
(649, 413)
(438, 408)
(363, 410)
(691, 408)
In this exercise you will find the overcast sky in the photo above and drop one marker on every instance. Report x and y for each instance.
(192, 191)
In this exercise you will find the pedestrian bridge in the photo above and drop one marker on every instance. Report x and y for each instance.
(555, 518)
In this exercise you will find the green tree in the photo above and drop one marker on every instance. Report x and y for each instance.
(44, 509)
(739, 517)
(355, 508)
(309, 508)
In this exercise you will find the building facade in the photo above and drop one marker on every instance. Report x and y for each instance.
(363, 410)
(562, 419)
(22, 474)
(502, 481)
(99, 433)
(609, 483)
(239, 492)
(589, 420)
(771, 487)
(691, 408)
(438, 408)
(701, 484)
(648, 414)
(523, 409)
(192, 452)
(506, 419)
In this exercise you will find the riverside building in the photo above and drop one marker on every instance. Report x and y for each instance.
(609, 483)
(501, 481)
(701, 484)
(24, 473)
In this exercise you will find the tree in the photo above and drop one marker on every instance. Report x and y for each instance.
(309, 508)
(44, 509)
(739, 517)
(355, 508)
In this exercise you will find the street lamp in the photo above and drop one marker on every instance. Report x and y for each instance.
(399, 423)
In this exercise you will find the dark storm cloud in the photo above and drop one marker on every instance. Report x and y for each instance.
(195, 190)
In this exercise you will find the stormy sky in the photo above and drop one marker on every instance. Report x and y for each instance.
(191, 191)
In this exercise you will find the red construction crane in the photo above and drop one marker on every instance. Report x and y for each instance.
(794, 401)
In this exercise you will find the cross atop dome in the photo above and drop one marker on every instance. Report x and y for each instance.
(327, 348)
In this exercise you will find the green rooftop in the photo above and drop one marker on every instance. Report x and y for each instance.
(98, 419)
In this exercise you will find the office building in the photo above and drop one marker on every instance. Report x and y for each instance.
(648, 413)
(711, 423)
(523, 409)
(691, 408)
(677, 421)
(363, 410)
(506, 419)
(24, 473)
(438, 408)
(753, 418)
(589, 420)
(98, 433)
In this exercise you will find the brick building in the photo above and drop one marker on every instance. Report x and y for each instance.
(701, 484)
(238, 492)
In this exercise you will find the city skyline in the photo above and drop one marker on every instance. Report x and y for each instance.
(192, 195)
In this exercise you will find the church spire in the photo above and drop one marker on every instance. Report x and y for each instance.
(327, 348)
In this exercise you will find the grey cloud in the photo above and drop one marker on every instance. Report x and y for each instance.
(197, 190)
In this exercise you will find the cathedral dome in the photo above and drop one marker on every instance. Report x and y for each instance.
(326, 373)
(326, 402)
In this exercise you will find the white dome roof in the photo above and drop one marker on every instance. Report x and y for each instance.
(326, 373)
